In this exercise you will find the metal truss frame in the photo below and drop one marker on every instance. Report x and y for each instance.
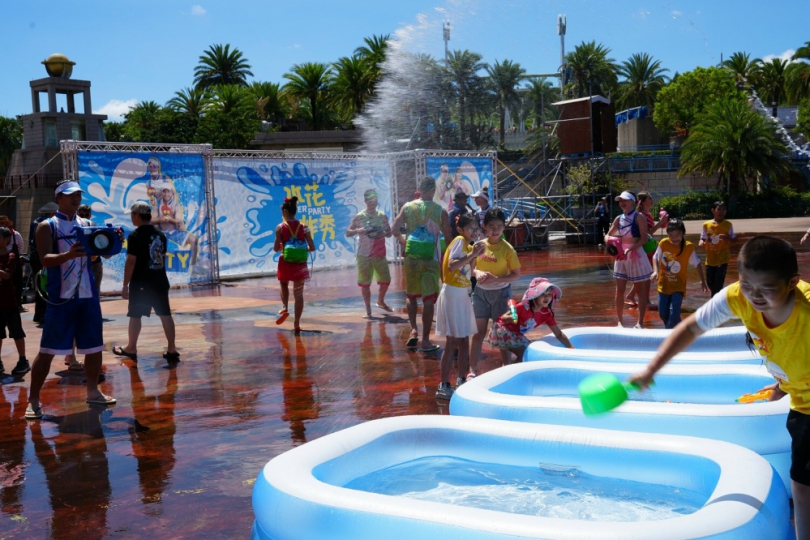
(70, 167)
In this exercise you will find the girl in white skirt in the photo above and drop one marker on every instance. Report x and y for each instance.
(632, 263)
(454, 313)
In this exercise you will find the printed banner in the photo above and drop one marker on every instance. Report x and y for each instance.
(174, 185)
(454, 174)
(249, 194)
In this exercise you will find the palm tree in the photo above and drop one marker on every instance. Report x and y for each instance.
(540, 95)
(592, 71)
(221, 65)
(743, 68)
(734, 141)
(772, 80)
(229, 98)
(191, 101)
(644, 77)
(798, 75)
(463, 67)
(269, 100)
(505, 77)
(374, 52)
(310, 81)
(353, 83)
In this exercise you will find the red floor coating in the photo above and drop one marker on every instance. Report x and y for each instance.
(178, 455)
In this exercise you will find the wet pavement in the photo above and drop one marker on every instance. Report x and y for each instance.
(178, 455)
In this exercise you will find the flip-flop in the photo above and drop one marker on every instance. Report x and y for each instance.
(171, 356)
(103, 400)
(412, 342)
(630, 303)
(119, 351)
(78, 366)
(432, 348)
(282, 317)
(385, 307)
(33, 413)
(368, 316)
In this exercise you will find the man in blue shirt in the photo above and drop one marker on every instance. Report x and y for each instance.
(459, 207)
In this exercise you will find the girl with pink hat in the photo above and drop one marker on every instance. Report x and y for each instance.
(507, 334)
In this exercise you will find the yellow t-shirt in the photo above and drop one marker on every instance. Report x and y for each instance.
(672, 267)
(717, 251)
(499, 260)
(457, 249)
(786, 348)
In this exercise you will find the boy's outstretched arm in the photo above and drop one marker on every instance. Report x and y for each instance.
(681, 337)
(561, 336)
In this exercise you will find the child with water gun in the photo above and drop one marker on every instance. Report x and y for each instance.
(507, 334)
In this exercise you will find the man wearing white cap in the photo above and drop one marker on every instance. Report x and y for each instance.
(481, 199)
(74, 310)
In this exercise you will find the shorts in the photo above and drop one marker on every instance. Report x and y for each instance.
(488, 304)
(292, 271)
(79, 320)
(10, 318)
(421, 278)
(798, 425)
(368, 266)
(500, 337)
(142, 298)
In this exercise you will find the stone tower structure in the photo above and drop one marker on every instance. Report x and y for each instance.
(46, 126)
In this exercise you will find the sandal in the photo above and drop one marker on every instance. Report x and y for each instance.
(78, 366)
(33, 413)
(412, 343)
(118, 350)
(282, 317)
(385, 307)
(432, 348)
(102, 400)
(171, 356)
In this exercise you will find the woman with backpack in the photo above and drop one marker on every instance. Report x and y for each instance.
(294, 241)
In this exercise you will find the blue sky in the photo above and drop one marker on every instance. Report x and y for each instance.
(147, 49)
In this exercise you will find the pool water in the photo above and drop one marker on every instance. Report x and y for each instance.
(548, 490)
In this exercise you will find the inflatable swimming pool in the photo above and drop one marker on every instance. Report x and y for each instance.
(611, 344)
(361, 483)
(695, 400)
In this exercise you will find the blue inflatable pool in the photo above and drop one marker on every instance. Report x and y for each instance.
(695, 400)
(611, 344)
(464, 478)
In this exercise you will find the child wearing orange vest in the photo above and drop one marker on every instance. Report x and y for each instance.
(670, 261)
(716, 237)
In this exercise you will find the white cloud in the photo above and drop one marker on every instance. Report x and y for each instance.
(787, 55)
(675, 14)
(640, 15)
(197, 9)
(115, 109)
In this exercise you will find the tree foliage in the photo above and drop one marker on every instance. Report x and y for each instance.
(681, 101)
(505, 78)
(592, 72)
(803, 120)
(643, 79)
(733, 141)
(220, 65)
(310, 81)
(11, 137)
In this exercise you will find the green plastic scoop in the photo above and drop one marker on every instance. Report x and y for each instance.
(603, 392)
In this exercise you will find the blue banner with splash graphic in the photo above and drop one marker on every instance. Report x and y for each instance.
(452, 174)
(249, 194)
(174, 185)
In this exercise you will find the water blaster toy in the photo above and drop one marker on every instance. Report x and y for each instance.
(662, 214)
(614, 248)
(762, 395)
(513, 310)
(603, 392)
(650, 246)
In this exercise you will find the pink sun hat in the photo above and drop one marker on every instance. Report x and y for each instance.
(538, 286)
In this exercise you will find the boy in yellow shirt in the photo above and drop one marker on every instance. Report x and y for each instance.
(716, 237)
(774, 305)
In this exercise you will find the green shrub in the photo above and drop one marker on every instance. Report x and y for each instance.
(773, 202)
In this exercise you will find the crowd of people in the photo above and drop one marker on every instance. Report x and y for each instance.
(467, 287)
